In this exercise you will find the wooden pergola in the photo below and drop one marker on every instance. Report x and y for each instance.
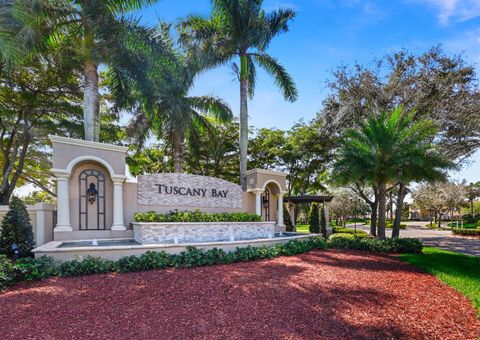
(294, 200)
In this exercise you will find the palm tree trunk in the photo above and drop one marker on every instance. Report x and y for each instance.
(381, 211)
(243, 122)
(178, 157)
(91, 102)
(398, 211)
(373, 217)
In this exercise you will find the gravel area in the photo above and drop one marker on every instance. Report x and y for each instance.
(321, 294)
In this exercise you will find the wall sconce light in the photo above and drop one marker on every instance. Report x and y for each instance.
(92, 193)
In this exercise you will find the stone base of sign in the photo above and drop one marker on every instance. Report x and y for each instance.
(150, 233)
(52, 249)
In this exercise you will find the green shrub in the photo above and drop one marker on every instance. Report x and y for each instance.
(39, 268)
(31, 269)
(323, 223)
(466, 231)
(341, 235)
(390, 225)
(359, 232)
(314, 219)
(7, 273)
(195, 216)
(402, 245)
(16, 228)
(87, 266)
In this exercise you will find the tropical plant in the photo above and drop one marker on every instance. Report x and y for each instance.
(314, 219)
(175, 115)
(16, 229)
(93, 32)
(389, 148)
(240, 29)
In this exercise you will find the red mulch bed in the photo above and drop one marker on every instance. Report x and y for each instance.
(321, 294)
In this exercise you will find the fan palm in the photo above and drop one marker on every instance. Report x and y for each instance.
(96, 30)
(171, 114)
(240, 29)
(388, 149)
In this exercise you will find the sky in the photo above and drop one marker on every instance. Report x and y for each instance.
(328, 33)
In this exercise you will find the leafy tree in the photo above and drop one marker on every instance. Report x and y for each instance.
(41, 97)
(96, 33)
(388, 149)
(265, 149)
(434, 85)
(243, 30)
(38, 196)
(473, 193)
(175, 115)
(16, 228)
(314, 219)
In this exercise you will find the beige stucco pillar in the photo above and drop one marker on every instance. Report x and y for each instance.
(280, 210)
(63, 201)
(118, 222)
(258, 202)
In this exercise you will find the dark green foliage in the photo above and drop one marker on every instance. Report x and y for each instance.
(314, 219)
(466, 231)
(16, 228)
(195, 216)
(7, 275)
(87, 266)
(471, 219)
(31, 269)
(403, 245)
(43, 267)
(323, 223)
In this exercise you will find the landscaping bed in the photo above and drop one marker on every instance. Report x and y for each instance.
(320, 294)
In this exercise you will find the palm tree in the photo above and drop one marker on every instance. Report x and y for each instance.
(240, 29)
(96, 30)
(387, 149)
(171, 114)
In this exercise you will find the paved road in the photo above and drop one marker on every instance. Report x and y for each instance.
(443, 239)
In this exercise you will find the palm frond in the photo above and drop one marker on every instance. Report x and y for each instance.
(282, 79)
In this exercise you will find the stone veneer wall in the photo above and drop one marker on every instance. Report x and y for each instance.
(148, 191)
(148, 233)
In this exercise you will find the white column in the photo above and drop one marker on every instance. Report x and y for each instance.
(118, 223)
(258, 203)
(63, 202)
(280, 210)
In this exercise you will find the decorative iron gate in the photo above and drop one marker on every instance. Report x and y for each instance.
(266, 204)
(92, 192)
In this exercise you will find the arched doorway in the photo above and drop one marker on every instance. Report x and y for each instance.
(92, 207)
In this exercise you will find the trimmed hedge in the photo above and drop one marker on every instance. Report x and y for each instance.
(468, 232)
(43, 267)
(195, 216)
(341, 230)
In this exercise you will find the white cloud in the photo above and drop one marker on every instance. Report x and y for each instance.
(455, 10)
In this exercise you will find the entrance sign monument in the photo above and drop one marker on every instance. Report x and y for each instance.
(97, 201)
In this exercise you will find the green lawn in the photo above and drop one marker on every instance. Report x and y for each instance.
(461, 272)
(302, 228)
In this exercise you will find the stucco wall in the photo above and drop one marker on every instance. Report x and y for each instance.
(63, 154)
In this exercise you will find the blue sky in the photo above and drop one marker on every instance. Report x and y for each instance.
(329, 33)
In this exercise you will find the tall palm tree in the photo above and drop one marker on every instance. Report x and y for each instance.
(240, 29)
(171, 113)
(387, 149)
(96, 30)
